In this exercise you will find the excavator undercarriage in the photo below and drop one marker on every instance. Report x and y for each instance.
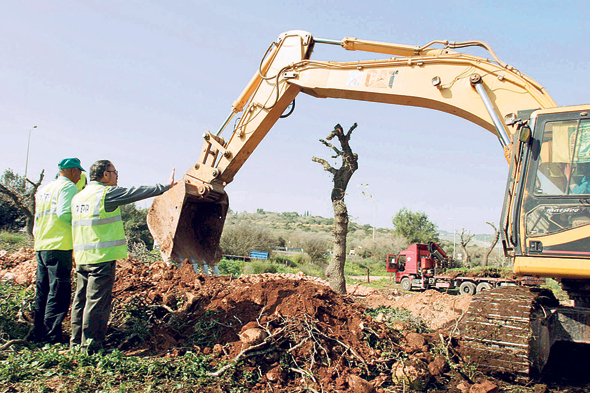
(511, 330)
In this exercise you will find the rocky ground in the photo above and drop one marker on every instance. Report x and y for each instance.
(292, 329)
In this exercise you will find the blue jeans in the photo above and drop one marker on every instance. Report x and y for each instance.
(52, 295)
(92, 304)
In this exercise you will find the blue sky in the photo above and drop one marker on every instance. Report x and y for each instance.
(138, 82)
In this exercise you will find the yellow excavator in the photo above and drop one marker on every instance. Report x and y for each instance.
(545, 222)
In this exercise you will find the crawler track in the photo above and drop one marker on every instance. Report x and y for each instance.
(503, 330)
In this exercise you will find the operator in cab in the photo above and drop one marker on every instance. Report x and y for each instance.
(581, 185)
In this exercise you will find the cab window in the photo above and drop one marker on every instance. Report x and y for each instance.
(402, 263)
(564, 159)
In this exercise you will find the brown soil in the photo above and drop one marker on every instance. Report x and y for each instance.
(436, 309)
(290, 329)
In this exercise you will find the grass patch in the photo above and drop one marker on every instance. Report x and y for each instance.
(14, 241)
(554, 287)
(259, 266)
(356, 266)
(53, 369)
(14, 300)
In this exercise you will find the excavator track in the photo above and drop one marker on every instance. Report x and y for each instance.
(504, 330)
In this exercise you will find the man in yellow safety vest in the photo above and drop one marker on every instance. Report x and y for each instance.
(99, 240)
(53, 246)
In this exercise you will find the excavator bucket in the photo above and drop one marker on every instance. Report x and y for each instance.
(187, 223)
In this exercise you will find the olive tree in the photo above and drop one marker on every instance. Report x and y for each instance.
(415, 226)
(341, 177)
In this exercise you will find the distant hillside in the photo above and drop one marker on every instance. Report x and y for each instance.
(304, 231)
(295, 221)
(290, 221)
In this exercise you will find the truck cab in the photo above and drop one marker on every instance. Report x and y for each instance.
(414, 265)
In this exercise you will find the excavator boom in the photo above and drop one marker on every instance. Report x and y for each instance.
(187, 221)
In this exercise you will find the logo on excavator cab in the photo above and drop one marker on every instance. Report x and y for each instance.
(558, 210)
(372, 78)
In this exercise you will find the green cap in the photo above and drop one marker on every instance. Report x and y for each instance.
(70, 163)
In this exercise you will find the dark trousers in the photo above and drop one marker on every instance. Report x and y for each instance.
(92, 304)
(53, 292)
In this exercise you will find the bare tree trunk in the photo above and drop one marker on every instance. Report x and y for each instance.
(484, 261)
(465, 238)
(26, 202)
(335, 269)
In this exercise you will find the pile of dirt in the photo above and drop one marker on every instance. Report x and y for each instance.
(19, 267)
(436, 309)
(272, 319)
(292, 330)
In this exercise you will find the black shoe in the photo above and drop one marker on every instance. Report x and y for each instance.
(61, 339)
(34, 338)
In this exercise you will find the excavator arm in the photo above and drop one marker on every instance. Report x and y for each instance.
(187, 221)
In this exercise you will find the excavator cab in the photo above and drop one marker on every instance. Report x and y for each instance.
(546, 215)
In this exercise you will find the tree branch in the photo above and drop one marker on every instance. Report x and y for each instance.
(324, 163)
(350, 130)
(338, 152)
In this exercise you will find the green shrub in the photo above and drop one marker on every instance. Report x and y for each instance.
(554, 287)
(241, 238)
(299, 259)
(394, 315)
(263, 266)
(229, 267)
(311, 270)
(76, 371)
(138, 250)
(283, 260)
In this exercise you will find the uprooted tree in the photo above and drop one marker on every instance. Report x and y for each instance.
(341, 177)
(16, 190)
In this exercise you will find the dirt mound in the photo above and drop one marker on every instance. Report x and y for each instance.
(272, 318)
(435, 309)
(19, 267)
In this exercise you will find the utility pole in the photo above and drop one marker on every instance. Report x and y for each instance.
(454, 235)
(374, 208)
(27, 161)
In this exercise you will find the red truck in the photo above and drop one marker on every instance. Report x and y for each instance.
(423, 266)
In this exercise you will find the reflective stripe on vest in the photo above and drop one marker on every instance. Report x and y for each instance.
(99, 236)
(51, 232)
(96, 246)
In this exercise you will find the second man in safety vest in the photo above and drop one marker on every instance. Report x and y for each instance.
(53, 246)
(99, 240)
